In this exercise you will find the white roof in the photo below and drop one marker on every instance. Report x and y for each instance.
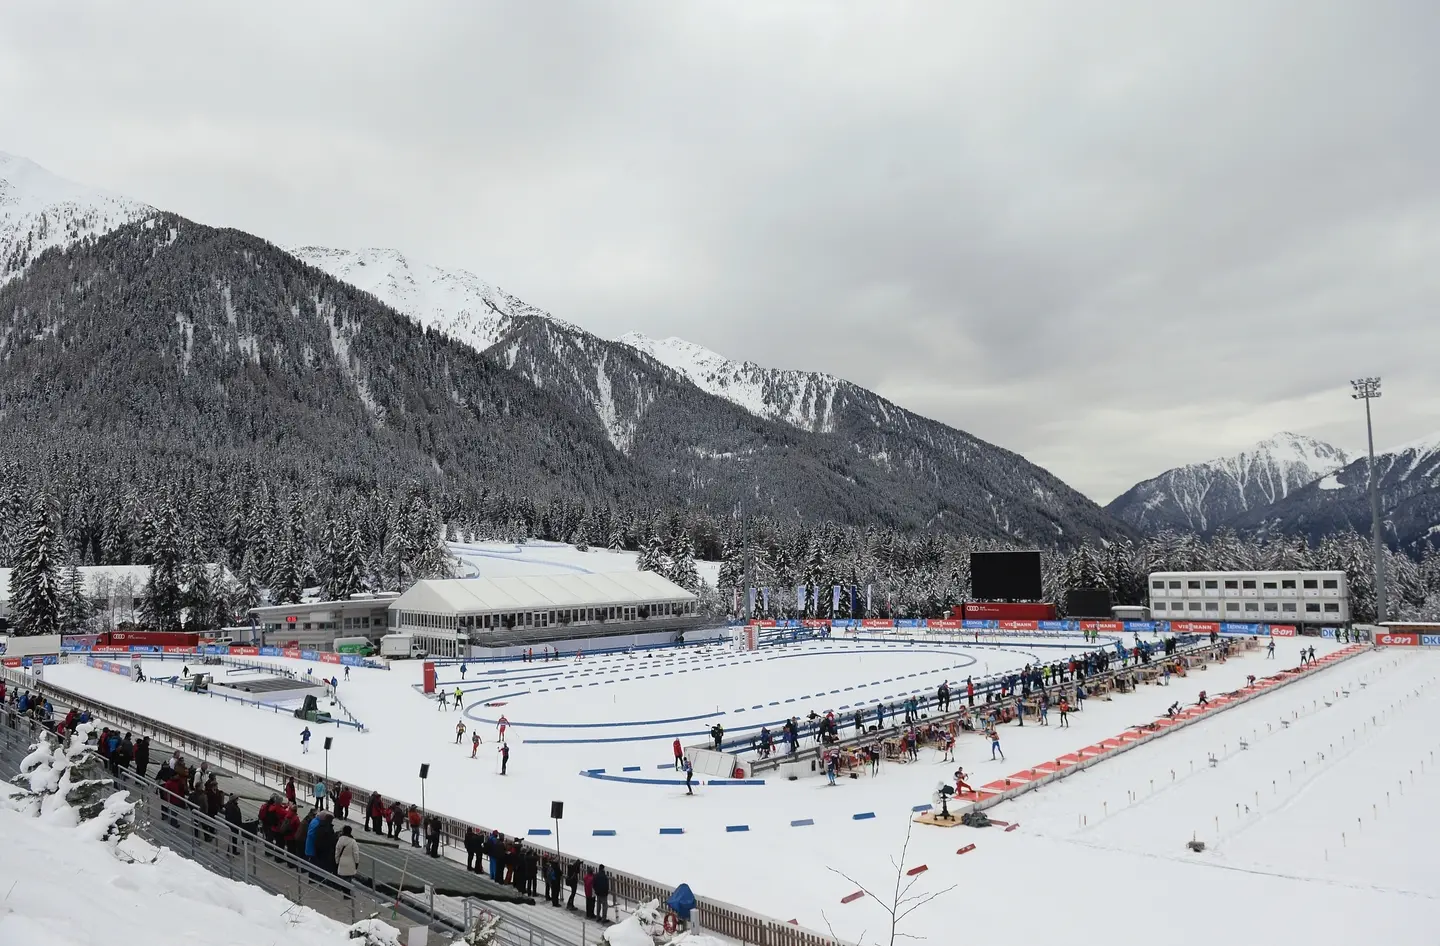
(538, 592)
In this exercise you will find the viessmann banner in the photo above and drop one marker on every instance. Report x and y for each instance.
(1111, 627)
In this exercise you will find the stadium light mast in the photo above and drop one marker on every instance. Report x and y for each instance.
(1367, 389)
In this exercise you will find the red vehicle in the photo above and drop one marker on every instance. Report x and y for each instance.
(1001, 611)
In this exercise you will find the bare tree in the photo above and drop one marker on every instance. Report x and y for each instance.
(899, 905)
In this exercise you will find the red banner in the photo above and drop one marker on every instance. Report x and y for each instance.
(877, 622)
(12, 662)
(944, 624)
(110, 649)
(1018, 625)
(429, 671)
(175, 650)
(765, 623)
(814, 622)
(328, 658)
(1194, 627)
(1102, 625)
(291, 652)
(1282, 630)
(244, 651)
(1393, 639)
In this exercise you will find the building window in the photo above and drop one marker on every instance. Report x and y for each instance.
(1269, 585)
(1193, 584)
(1212, 606)
(1158, 585)
(1310, 584)
(1252, 606)
(1174, 586)
(1231, 584)
(1248, 584)
(1312, 608)
(1194, 606)
(1332, 608)
(1211, 584)
(1288, 583)
(1288, 606)
(1330, 583)
(1232, 606)
(1159, 606)
(1271, 606)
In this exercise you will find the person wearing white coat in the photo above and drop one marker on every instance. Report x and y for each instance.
(347, 856)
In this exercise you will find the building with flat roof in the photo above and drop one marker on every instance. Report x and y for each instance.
(317, 623)
(448, 614)
(1259, 597)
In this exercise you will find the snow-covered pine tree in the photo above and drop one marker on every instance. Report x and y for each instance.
(197, 596)
(76, 610)
(347, 564)
(163, 597)
(35, 592)
(652, 557)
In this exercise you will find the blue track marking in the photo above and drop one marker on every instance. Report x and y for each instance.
(862, 816)
(731, 828)
(603, 833)
(533, 832)
(672, 830)
(802, 822)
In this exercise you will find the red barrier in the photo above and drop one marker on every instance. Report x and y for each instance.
(328, 658)
(877, 622)
(244, 651)
(917, 870)
(12, 662)
(1194, 627)
(966, 849)
(1398, 640)
(291, 652)
(852, 897)
(1018, 625)
(1282, 630)
(944, 624)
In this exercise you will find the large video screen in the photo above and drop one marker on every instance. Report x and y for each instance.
(1087, 603)
(1005, 576)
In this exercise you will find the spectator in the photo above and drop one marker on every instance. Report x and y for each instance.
(347, 858)
(589, 882)
(601, 885)
(413, 816)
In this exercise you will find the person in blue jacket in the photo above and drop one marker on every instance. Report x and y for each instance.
(310, 836)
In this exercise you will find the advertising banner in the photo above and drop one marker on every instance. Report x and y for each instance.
(814, 622)
(877, 622)
(973, 625)
(172, 649)
(309, 655)
(329, 658)
(1282, 630)
(1395, 639)
(1430, 640)
(1018, 625)
(241, 651)
(1140, 626)
(270, 652)
(943, 624)
(1194, 627)
(909, 622)
(291, 652)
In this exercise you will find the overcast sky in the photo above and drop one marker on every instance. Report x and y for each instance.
(1115, 237)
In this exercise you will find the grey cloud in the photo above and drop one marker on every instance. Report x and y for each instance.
(1114, 237)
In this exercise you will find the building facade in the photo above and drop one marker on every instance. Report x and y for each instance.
(316, 624)
(1260, 597)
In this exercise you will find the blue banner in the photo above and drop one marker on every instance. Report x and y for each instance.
(1428, 640)
(909, 622)
(270, 652)
(845, 622)
(309, 655)
(1055, 625)
(1139, 626)
(973, 625)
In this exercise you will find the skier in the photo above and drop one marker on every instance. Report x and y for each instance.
(679, 753)
(995, 746)
(463, 668)
(1270, 650)
(502, 724)
(305, 740)
(1203, 701)
(1064, 713)
(459, 732)
(347, 675)
(504, 757)
(949, 753)
(689, 777)
(459, 698)
(961, 785)
(443, 702)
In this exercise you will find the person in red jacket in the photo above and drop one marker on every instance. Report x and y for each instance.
(290, 791)
(342, 803)
(679, 753)
(375, 809)
(290, 830)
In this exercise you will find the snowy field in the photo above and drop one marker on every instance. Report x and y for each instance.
(534, 557)
(1084, 841)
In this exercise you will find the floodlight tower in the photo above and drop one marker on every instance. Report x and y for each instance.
(1367, 389)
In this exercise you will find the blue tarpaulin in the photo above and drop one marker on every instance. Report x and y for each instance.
(682, 901)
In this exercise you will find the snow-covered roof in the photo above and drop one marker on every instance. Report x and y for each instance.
(538, 592)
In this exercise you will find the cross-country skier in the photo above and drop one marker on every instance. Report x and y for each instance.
(463, 668)
(689, 777)
(459, 732)
(1270, 650)
(1064, 713)
(459, 698)
(347, 674)
(443, 703)
(995, 746)
(305, 740)
(502, 724)
(474, 743)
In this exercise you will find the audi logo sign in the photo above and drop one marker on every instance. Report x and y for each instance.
(1398, 640)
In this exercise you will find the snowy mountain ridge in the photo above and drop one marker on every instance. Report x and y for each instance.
(803, 399)
(1409, 487)
(40, 210)
(454, 302)
(1207, 496)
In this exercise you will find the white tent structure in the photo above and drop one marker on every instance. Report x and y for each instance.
(446, 614)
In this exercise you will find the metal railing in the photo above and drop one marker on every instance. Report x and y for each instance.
(380, 889)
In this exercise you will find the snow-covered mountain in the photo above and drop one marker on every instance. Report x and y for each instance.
(454, 302)
(39, 210)
(1207, 496)
(1409, 479)
(804, 399)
